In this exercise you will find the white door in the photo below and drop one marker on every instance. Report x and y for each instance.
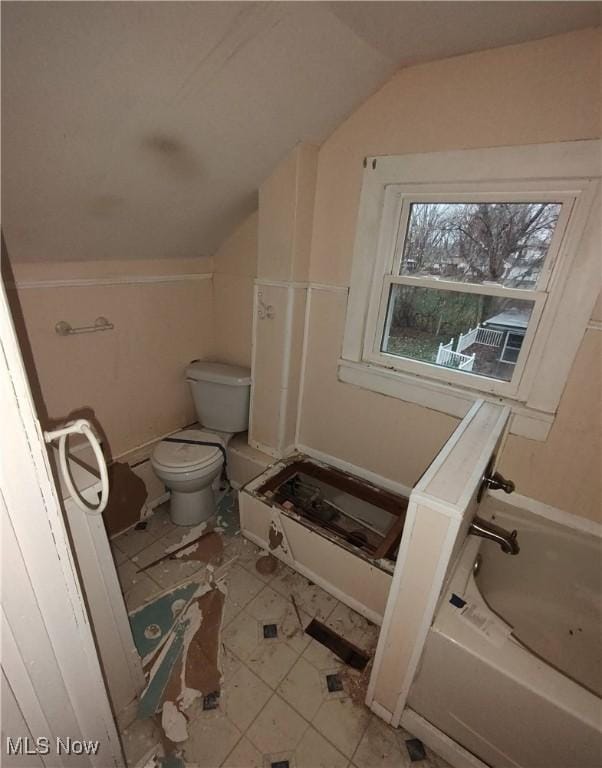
(51, 671)
(119, 658)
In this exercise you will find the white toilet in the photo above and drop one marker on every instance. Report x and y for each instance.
(221, 398)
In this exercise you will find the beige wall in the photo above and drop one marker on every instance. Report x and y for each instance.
(565, 470)
(130, 378)
(286, 209)
(538, 92)
(235, 268)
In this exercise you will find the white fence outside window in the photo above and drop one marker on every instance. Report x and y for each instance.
(486, 336)
(447, 356)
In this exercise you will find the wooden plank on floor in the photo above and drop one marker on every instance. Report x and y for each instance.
(346, 651)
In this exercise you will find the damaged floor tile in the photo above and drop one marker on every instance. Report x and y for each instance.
(141, 592)
(187, 666)
(233, 678)
(210, 741)
(228, 520)
(246, 554)
(152, 622)
(133, 541)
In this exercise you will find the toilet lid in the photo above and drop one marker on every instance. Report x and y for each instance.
(184, 455)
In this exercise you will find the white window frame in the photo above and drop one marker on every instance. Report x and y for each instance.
(568, 173)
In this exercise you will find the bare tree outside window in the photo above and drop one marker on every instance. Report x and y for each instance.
(496, 244)
(503, 243)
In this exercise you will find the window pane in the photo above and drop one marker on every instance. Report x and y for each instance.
(503, 243)
(465, 331)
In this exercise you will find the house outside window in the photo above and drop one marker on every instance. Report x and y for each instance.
(461, 263)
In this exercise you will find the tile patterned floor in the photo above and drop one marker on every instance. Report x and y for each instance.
(275, 706)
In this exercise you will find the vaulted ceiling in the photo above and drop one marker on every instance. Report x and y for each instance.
(143, 129)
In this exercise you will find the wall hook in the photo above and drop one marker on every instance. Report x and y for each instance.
(264, 311)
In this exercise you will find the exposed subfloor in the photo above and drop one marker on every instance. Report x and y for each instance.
(285, 701)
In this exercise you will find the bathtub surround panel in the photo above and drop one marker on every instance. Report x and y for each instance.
(441, 508)
(286, 206)
(538, 92)
(129, 379)
(291, 373)
(271, 308)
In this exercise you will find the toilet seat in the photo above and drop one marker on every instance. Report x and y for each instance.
(183, 457)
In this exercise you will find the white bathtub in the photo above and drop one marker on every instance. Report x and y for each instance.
(514, 674)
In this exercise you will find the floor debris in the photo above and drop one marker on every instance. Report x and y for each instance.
(296, 607)
(186, 712)
(162, 613)
(356, 683)
(352, 655)
(206, 548)
(174, 723)
(266, 564)
(186, 667)
(416, 749)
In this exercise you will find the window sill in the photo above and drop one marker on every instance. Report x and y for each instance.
(445, 398)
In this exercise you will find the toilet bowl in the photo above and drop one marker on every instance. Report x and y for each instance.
(220, 393)
(188, 470)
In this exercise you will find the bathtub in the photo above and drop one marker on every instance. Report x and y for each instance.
(511, 669)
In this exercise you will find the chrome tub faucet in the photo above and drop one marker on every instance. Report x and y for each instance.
(507, 540)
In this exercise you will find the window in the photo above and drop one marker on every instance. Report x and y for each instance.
(460, 264)
(463, 276)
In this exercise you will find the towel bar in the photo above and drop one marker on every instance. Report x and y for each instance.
(63, 328)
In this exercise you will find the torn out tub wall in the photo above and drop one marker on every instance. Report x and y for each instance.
(440, 511)
(355, 577)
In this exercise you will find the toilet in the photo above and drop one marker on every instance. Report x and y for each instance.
(189, 461)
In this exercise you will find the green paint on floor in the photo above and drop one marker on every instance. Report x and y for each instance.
(150, 700)
(153, 622)
(227, 513)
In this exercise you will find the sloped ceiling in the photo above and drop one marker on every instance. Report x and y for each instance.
(143, 129)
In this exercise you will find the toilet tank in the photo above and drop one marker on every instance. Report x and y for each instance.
(221, 395)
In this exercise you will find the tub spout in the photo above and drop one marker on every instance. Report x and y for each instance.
(488, 530)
